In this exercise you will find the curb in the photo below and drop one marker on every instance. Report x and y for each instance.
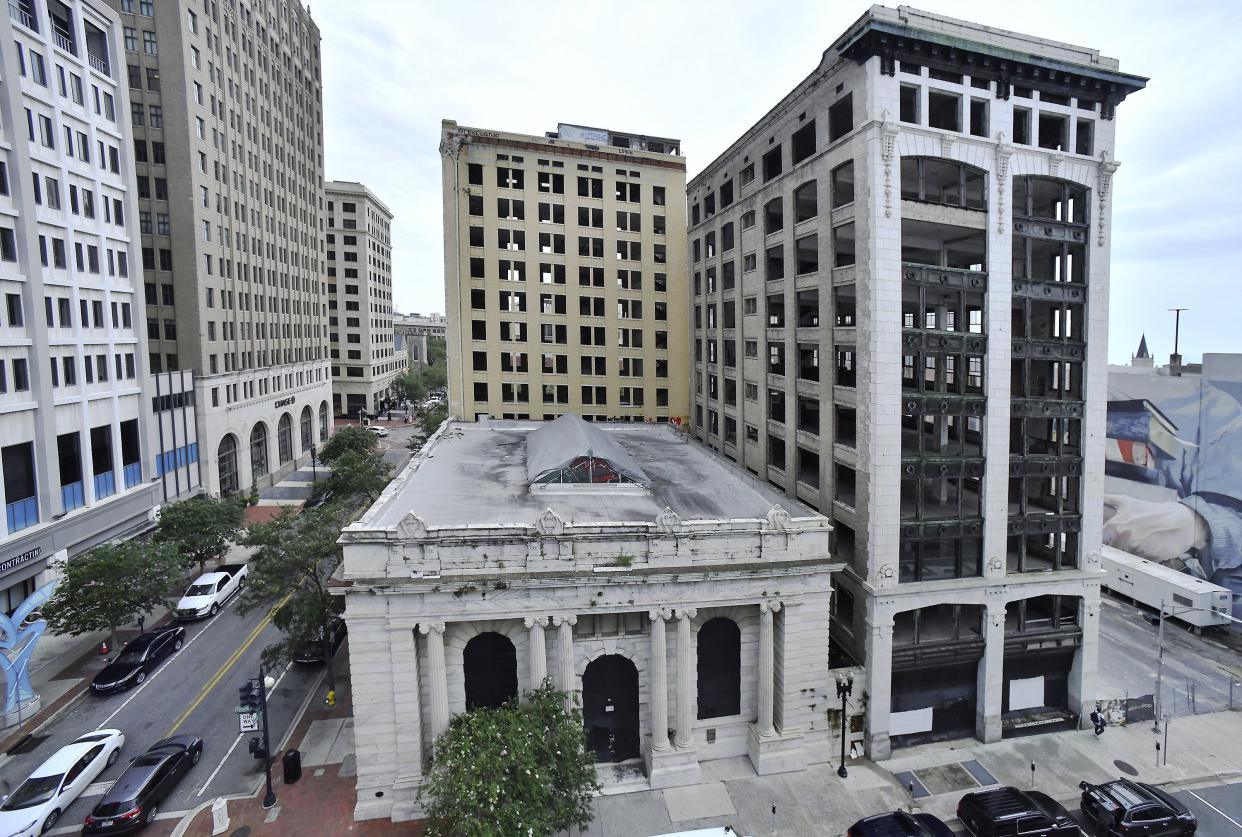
(188, 819)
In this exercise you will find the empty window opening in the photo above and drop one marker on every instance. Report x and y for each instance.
(910, 103)
(772, 164)
(1084, 138)
(979, 117)
(773, 216)
(843, 245)
(843, 305)
(1053, 131)
(943, 245)
(841, 118)
(1021, 126)
(805, 202)
(802, 143)
(719, 669)
(843, 184)
(944, 110)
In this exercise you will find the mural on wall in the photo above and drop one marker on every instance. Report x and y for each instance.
(1173, 466)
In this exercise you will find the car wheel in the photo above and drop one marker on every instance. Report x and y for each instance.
(141, 678)
(113, 756)
(151, 812)
(198, 754)
(177, 645)
(241, 582)
(215, 608)
(50, 822)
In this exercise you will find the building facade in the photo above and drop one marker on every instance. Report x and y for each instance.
(565, 266)
(412, 332)
(228, 123)
(364, 355)
(693, 625)
(900, 290)
(73, 417)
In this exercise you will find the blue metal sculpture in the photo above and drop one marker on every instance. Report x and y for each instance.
(20, 643)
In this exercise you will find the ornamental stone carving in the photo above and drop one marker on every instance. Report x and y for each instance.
(888, 148)
(550, 523)
(778, 519)
(412, 527)
(668, 521)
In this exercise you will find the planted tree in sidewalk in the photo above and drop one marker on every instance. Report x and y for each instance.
(430, 420)
(409, 386)
(112, 585)
(295, 556)
(351, 439)
(201, 529)
(520, 769)
(359, 475)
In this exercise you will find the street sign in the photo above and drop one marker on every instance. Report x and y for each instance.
(248, 722)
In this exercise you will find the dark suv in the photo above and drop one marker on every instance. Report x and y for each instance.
(133, 800)
(1133, 809)
(1009, 812)
(899, 824)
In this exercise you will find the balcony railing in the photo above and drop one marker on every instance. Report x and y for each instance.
(99, 64)
(105, 485)
(22, 514)
(63, 41)
(133, 474)
(72, 496)
(24, 15)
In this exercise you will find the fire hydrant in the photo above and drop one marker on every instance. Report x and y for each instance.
(104, 650)
(331, 698)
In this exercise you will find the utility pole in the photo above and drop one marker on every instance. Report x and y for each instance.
(1159, 670)
(1175, 359)
(270, 799)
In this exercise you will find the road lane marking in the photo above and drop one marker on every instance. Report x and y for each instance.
(1237, 824)
(237, 740)
(228, 664)
(135, 692)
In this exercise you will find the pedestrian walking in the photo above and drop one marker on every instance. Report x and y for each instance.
(1098, 720)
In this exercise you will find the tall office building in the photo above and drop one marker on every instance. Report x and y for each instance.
(74, 422)
(565, 268)
(900, 289)
(360, 319)
(228, 124)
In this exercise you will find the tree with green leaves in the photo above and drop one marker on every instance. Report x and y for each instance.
(357, 474)
(295, 556)
(200, 529)
(112, 585)
(430, 420)
(348, 439)
(522, 768)
(409, 386)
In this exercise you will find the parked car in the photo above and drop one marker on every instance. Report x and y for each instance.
(997, 812)
(899, 824)
(378, 430)
(1130, 809)
(210, 591)
(37, 803)
(134, 799)
(312, 651)
(140, 656)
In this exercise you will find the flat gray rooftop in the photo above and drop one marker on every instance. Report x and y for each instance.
(476, 474)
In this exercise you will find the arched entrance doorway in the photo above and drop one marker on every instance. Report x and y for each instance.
(226, 462)
(720, 668)
(610, 707)
(308, 431)
(323, 421)
(490, 663)
(258, 452)
(284, 438)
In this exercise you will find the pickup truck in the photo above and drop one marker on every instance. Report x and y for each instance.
(210, 591)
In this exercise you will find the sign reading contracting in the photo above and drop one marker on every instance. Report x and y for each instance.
(18, 560)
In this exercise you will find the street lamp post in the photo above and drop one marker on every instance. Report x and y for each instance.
(845, 685)
(314, 467)
(270, 799)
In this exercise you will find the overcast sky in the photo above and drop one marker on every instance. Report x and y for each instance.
(705, 71)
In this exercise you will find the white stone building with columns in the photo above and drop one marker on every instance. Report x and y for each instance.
(668, 591)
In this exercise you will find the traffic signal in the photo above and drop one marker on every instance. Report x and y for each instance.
(248, 697)
(256, 747)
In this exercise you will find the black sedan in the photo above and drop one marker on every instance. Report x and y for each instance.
(312, 650)
(138, 659)
(899, 824)
(132, 802)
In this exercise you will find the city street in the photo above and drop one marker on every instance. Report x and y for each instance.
(194, 691)
(1219, 809)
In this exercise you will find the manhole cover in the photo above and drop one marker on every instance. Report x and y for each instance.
(1125, 767)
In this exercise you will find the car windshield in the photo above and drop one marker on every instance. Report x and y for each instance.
(131, 656)
(34, 791)
(200, 590)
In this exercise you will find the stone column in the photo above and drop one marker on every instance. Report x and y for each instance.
(538, 650)
(438, 676)
(685, 717)
(405, 697)
(1082, 672)
(766, 666)
(659, 682)
(991, 677)
(879, 676)
(566, 679)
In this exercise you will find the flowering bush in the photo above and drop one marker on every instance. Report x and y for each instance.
(523, 768)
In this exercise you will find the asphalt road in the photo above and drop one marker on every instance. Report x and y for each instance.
(1219, 809)
(1197, 667)
(194, 691)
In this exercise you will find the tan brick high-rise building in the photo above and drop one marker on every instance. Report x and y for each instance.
(565, 274)
(360, 328)
(228, 124)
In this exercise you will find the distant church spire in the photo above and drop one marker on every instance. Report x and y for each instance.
(1142, 349)
(1143, 357)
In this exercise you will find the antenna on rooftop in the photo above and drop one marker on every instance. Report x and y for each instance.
(1175, 359)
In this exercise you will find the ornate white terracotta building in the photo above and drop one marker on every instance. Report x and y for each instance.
(671, 592)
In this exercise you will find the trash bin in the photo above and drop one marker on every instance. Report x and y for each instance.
(292, 763)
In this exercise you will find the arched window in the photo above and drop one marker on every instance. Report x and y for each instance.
(720, 669)
(308, 429)
(610, 708)
(226, 461)
(284, 438)
(258, 451)
(490, 663)
(323, 421)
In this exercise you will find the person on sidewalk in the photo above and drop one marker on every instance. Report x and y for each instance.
(1098, 719)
